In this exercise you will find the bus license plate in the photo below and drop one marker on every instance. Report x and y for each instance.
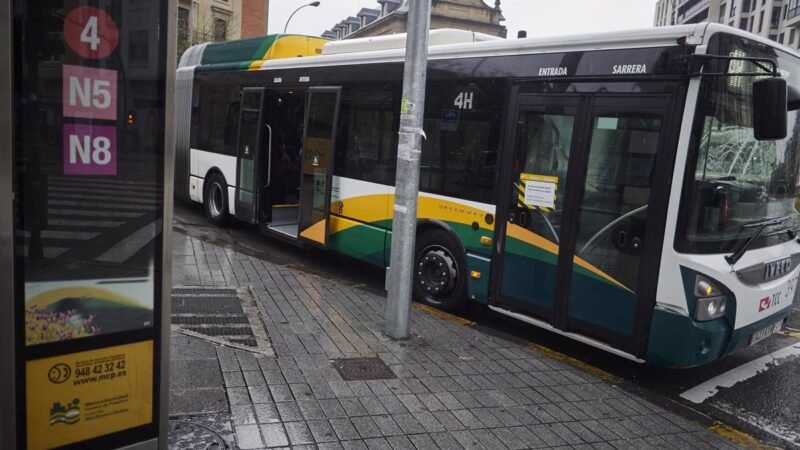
(760, 335)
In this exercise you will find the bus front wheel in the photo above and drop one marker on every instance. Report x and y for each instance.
(439, 271)
(215, 200)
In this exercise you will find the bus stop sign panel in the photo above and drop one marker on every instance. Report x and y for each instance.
(90, 235)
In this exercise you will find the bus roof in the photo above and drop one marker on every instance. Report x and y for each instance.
(250, 54)
(453, 44)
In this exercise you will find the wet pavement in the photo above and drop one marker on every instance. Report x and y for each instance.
(765, 406)
(458, 383)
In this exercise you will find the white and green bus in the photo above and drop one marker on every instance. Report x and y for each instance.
(635, 191)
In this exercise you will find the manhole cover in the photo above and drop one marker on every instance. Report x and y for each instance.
(363, 369)
(183, 434)
(224, 315)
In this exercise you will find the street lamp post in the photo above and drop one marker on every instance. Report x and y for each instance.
(314, 4)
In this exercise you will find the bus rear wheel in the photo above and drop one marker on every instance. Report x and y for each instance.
(215, 200)
(439, 271)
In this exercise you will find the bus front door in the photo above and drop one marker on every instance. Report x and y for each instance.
(319, 143)
(583, 222)
(249, 153)
(534, 204)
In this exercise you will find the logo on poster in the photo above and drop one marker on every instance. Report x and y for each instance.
(59, 373)
(69, 415)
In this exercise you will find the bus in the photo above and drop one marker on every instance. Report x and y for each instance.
(635, 191)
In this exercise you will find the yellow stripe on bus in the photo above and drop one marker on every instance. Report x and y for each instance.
(377, 208)
(315, 232)
(534, 239)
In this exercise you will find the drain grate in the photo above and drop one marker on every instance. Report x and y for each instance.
(363, 369)
(226, 315)
(187, 434)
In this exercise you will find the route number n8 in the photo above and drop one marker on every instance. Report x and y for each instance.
(91, 151)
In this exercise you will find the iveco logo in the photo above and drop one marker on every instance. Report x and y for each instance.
(776, 269)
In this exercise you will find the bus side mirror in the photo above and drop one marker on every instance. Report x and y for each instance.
(770, 109)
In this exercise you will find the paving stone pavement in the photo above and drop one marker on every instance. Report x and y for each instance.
(456, 387)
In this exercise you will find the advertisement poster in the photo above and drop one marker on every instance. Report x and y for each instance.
(91, 168)
(72, 398)
(90, 98)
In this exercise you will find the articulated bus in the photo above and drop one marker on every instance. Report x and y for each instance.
(635, 191)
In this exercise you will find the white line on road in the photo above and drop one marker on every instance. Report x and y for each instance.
(710, 388)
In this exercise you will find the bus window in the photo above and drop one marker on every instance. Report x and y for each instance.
(459, 155)
(217, 113)
(613, 212)
(365, 143)
(544, 152)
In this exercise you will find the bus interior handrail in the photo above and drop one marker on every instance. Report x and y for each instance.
(269, 155)
(609, 226)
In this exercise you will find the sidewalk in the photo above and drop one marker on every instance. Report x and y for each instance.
(455, 388)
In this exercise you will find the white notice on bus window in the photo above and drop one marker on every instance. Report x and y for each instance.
(540, 193)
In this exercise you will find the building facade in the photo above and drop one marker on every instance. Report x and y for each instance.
(390, 17)
(778, 20)
(220, 20)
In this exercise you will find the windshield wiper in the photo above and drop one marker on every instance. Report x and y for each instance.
(761, 225)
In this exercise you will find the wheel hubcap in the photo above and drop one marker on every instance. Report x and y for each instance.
(437, 272)
(215, 200)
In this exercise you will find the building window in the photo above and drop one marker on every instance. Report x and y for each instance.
(722, 13)
(775, 18)
(743, 23)
(220, 30)
(791, 36)
(183, 29)
(138, 48)
(761, 22)
(780, 39)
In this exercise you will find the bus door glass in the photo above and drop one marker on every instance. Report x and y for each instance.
(248, 152)
(317, 164)
(576, 208)
(544, 138)
(612, 209)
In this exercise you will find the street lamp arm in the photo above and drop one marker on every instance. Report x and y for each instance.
(286, 27)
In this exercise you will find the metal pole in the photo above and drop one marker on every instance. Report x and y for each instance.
(409, 150)
(8, 364)
(170, 10)
(286, 27)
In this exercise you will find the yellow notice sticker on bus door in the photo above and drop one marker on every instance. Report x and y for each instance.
(540, 190)
(80, 396)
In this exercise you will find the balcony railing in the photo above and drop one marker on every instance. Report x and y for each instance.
(793, 12)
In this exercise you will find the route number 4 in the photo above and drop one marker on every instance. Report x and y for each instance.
(464, 100)
(89, 34)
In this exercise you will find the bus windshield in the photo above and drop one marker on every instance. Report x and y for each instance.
(734, 180)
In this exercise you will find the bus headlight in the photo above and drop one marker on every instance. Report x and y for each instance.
(705, 288)
(711, 304)
(710, 308)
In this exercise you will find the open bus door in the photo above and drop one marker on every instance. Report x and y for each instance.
(249, 153)
(319, 143)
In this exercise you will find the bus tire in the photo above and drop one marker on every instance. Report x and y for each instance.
(215, 200)
(440, 271)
